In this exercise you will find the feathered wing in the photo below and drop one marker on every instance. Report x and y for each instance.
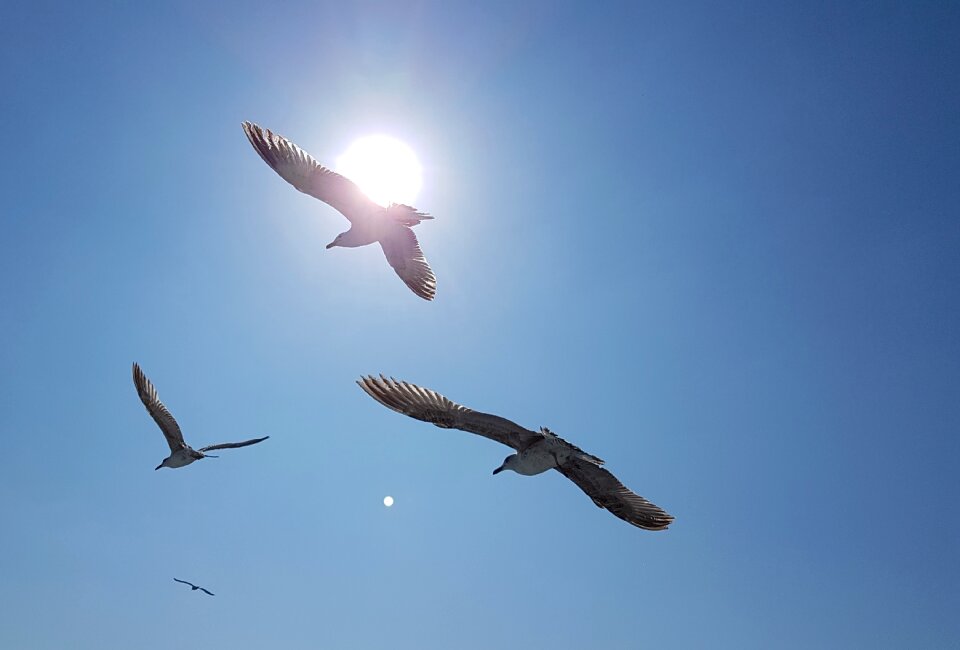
(156, 409)
(608, 492)
(209, 593)
(232, 445)
(403, 252)
(430, 406)
(184, 582)
(301, 170)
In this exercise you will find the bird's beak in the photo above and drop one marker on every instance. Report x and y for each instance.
(158, 467)
(330, 245)
(498, 470)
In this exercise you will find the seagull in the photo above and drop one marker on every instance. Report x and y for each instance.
(181, 453)
(194, 587)
(537, 451)
(391, 226)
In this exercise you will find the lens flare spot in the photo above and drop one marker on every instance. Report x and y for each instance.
(386, 169)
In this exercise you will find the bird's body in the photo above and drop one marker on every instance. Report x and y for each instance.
(181, 458)
(364, 233)
(535, 460)
(552, 452)
(370, 222)
(181, 454)
(536, 451)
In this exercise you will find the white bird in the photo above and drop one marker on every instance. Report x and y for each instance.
(370, 222)
(194, 587)
(537, 451)
(181, 453)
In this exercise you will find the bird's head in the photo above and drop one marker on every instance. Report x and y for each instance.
(337, 242)
(508, 463)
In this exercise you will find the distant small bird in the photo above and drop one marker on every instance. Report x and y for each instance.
(537, 451)
(180, 452)
(194, 587)
(371, 222)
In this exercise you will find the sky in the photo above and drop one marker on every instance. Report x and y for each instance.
(716, 245)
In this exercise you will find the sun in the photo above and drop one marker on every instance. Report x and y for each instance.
(386, 169)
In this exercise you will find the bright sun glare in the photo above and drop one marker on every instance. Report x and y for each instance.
(386, 169)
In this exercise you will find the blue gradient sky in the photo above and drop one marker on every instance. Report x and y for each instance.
(716, 246)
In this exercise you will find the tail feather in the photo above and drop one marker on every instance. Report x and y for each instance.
(406, 214)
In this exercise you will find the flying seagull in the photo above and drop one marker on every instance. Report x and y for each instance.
(194, 587)
(537, 451)
(180, 452)
(370, 222)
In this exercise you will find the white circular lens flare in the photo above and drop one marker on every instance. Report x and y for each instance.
(386, 169)
(388, 501)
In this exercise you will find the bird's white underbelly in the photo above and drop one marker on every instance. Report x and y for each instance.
(367, 231)
(534, 461)
(358, 239)
(180, 458)
(544, 455)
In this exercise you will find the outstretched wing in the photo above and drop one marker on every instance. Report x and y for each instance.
(403, 252)
(429, 406)
(184, 582)
(301, 170)
(209, 593)
(156, 409)
(608, 492)
(232, 445)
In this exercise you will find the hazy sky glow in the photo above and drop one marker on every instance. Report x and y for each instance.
(715, 245)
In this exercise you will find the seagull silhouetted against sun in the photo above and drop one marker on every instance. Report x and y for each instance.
(391, 226)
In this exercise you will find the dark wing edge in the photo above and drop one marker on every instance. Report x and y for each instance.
(609, 493)
(184, 582)
(301, 170)
(232, 445)
(148, 395)
(404, 254)
(209, 593)
(430, 406)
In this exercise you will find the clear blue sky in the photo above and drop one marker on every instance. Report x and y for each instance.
(717, 246)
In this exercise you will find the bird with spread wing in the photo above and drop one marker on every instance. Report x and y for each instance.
(194, 587)
(391, 226)
(181, 454)
(536, 451)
